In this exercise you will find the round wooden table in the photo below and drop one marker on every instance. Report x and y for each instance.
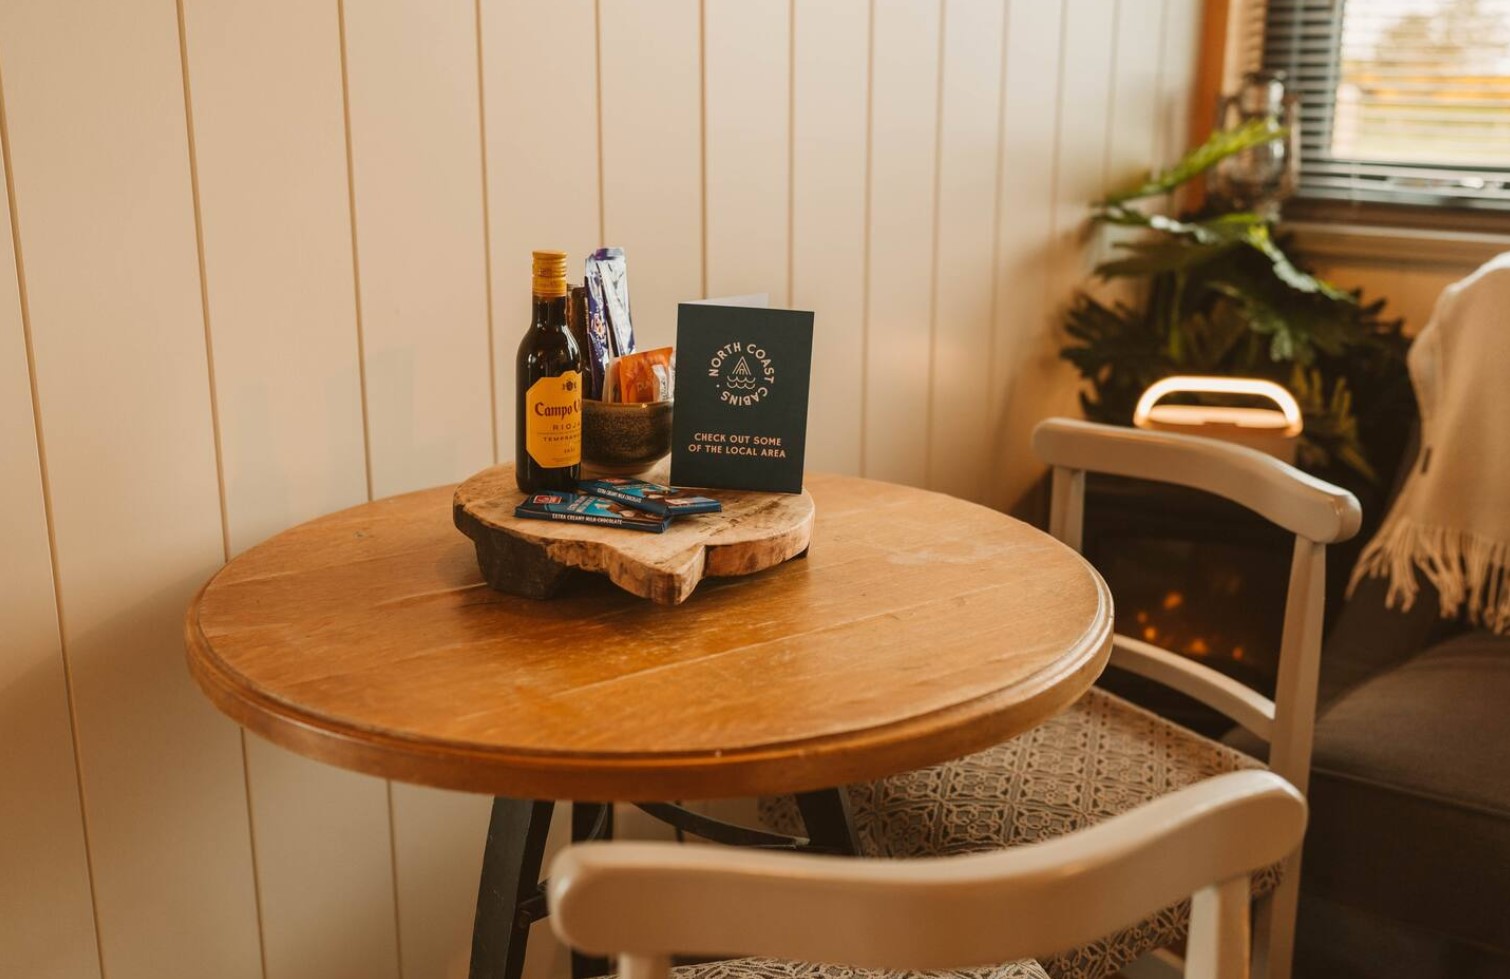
(919, 628)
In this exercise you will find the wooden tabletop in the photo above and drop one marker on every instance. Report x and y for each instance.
(919, 628)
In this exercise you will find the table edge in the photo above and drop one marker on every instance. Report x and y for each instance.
(782, 767)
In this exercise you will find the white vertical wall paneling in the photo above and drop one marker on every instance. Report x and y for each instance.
(413, 89)
(416, 168)
(1133, 140)
(652, 154)
(831, 51)
(747, 77)
(95, 106)
(969, 136)
(271, 167)
(1181, 54)
(46, 916)
(1045, 384)
(542, 156)
(1025, 222)
(903, 152)
(1085, 99)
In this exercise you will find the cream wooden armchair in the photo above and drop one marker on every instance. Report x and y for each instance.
(1104, 756)
(647, 901)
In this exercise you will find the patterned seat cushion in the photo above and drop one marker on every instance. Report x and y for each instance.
(776, 969)
(1098, 758)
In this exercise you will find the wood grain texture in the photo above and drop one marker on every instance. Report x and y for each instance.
(753, 532)
(830, 131)
(903, 155)
(747, 124)
(542, 160)
(270, 155)
(919, 628)
(46, 914)
(94, 103)
(651, 84)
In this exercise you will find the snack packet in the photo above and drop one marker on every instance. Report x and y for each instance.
(597, 352)
(608, 297)
(668, 501)
(582, 508)
(647, 376)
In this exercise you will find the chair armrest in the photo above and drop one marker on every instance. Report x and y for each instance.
(1218, 691)
(1302, 504)
(652, 900)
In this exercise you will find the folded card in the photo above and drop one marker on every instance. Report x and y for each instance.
(741, 397)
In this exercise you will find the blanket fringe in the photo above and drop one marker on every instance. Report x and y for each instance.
(1466, 569)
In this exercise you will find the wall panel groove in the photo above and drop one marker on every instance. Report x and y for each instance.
(48, 918)
(268, 154)
(904, 110)
(119, 347)
(966, 245)
(215, 427)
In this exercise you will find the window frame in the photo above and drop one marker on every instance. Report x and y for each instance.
(1382, 207)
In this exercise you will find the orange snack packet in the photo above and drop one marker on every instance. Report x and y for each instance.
(647, 375)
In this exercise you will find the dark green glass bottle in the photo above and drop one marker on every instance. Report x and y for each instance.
(548, 398)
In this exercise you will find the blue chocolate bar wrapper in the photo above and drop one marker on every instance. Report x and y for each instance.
(581, 508)
(650, 497)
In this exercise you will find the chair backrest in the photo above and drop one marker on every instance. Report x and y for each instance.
(1317, 512)
(647, 901)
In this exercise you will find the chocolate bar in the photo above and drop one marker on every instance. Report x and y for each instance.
(582, 508)
(650, 497)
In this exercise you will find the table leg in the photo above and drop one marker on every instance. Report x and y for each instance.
(508, 897)
(829, 822)
(590, 821)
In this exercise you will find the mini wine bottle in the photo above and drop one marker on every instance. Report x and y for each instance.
(548, 398)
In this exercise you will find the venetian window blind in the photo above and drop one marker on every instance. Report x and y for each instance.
(1402, 101)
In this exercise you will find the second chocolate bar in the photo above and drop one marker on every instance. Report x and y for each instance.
(666, 501)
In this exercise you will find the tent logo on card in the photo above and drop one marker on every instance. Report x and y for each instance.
(742, 372)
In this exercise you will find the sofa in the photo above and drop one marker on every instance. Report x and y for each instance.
(1406, 870)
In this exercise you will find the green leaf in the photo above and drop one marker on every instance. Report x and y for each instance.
(1154, 257)
(1258, 237)
(1218, 146)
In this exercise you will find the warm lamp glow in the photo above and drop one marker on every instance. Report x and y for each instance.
(1285, 421)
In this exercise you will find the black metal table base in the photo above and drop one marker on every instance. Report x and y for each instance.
(511, 895)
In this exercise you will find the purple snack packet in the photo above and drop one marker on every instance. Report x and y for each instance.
(611, 270)
(598, 351)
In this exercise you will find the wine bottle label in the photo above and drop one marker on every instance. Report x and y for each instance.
(553, 420)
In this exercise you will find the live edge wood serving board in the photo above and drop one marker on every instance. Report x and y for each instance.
(919, 628)
(535, 558)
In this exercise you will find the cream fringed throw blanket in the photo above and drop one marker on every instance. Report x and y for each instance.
(1452, 518)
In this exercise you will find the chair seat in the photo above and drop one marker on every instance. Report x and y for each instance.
(1098, 758)
(777, 969)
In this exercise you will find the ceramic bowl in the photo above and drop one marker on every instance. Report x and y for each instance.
(624, 439)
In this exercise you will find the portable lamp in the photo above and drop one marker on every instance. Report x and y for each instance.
(1268, 429)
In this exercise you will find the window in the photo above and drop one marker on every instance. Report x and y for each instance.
(1401, 101)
